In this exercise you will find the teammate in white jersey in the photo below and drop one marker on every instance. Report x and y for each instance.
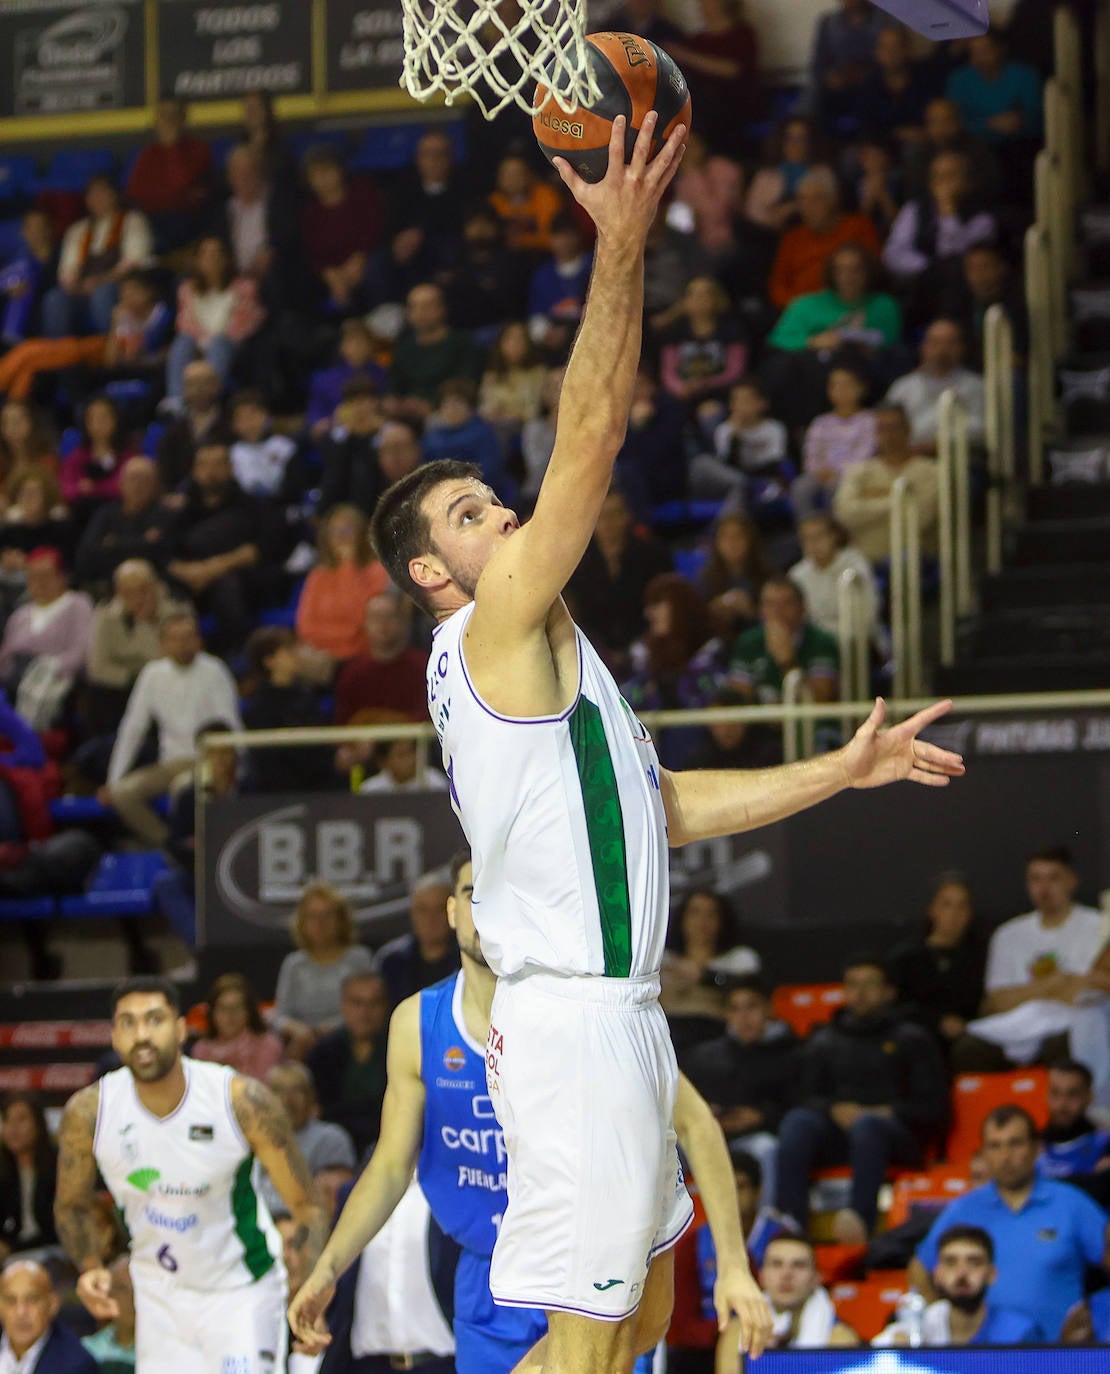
(176, 1141)
(569, 814)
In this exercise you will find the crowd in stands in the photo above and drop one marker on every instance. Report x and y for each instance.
(211, 372)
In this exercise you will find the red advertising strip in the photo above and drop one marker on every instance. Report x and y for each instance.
(54, 1035)
(47, 1078)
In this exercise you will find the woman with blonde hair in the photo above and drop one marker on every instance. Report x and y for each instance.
(306, 1004)
(236, 1033)
(331, 614)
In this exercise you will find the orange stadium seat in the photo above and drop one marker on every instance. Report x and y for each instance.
(936, 1186)
(866, 1306)
(975, 1095)
(839, 1262)
(805, 1005)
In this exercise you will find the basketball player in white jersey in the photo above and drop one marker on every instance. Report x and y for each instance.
(569, 815)
(175, 1140)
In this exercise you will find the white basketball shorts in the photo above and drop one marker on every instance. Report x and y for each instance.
(182, 1330)
(582, 1076)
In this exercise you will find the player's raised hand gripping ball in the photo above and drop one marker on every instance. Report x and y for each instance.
(634, 76)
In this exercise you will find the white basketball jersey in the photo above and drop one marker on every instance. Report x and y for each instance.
(564, 817)
(183, 1182)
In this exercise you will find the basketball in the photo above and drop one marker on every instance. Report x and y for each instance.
(634, 77)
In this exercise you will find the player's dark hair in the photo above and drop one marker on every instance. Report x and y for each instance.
(459, 861)
(1004, 1115)
(1053, 854)
(975, 1235)
(147, 983)
(400, 530)
(750, 1167)
(1075, 1067)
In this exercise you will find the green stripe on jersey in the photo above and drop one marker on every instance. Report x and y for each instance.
(244, 1206)
(605, 828)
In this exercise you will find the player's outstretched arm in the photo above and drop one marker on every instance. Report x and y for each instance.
(736, 1294)
(74, 1203)
(701, 805)
(522, 582)
(270, 1135)
(381, 1185)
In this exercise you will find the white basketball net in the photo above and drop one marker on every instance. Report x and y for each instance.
(496, 50)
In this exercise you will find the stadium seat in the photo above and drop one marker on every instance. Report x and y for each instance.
(314, 138)
(119, 887)
(70, 440)
(27, 908)
(689, 562)
(387, 147)
(11, 239)
(836, 1263)
(866, 1306)
(933, 1189)
(75, 810)
(975, 1095)
(805, 1005)
(71, 168)
(152, 438)
(19, 177)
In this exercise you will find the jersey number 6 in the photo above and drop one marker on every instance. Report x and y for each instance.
(166, 1259)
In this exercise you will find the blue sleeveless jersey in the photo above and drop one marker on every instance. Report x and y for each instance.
(462, 1167)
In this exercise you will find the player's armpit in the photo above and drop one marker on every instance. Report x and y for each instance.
(74, 1214)
(268, 1132)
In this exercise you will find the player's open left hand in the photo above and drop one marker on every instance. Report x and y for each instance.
(737, 1296)
(876, 756)
(307, 1314)
(94, 1288)
(623, 203)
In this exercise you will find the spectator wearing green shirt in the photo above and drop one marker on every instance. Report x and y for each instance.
(348, 1063)
(850, 322)
(782, 641)
(428, 352)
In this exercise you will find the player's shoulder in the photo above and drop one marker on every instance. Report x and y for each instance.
(81, 1111)
(403, 1050)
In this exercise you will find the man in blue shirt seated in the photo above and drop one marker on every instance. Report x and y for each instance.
(1073, 1148)
(1047, 1233)
(965, 1269)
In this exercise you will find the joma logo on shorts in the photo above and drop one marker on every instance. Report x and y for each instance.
(570, 127)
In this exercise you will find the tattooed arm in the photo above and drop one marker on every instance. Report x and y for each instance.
(74, 1208)
(263, 1121)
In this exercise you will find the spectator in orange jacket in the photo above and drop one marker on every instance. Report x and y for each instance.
(525, 206)
(799, 266)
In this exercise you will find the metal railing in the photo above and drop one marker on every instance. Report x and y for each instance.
(854, 637)
(1041, 368)
(798, 740)
(953, 520)
(1068, 74)
(1001, 429)
(786, 715)
(905, 589)
(1102, 87)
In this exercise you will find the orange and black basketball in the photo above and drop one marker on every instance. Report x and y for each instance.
(634, 76)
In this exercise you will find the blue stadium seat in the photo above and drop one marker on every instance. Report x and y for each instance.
(312, 138)
(19, 178)
(689, 562)
(153, 437)
(71, 168)
(281, 617)
(27, 908)
(75, 810)
(11, 239)
(120, 886)
(387, 147)
(71, 439)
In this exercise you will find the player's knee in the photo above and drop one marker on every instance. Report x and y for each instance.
(653, 1320)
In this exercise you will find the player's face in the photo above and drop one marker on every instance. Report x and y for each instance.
(468, 524)
(963, 1274)
(147, 1035)
(461, 916)
(788, 1275)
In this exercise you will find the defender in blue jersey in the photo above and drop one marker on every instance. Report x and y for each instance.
(437, 1117)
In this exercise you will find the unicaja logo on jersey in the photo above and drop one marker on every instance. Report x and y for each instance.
(454, 1059)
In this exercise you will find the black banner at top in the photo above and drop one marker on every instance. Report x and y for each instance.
(72, 58)
(365, 45)
(216, 50)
